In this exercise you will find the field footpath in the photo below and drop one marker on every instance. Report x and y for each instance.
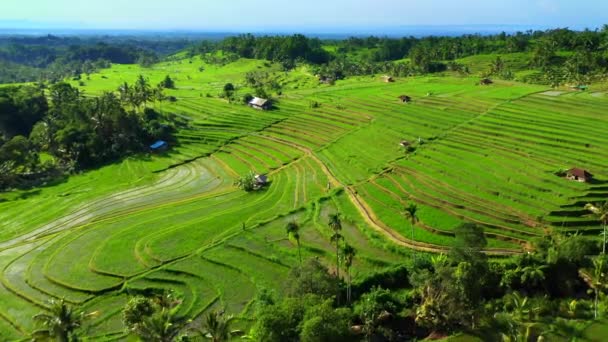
(370, 217)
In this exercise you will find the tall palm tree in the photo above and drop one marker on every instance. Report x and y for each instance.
(60, 322)
(125, 92)
(293, 229)
(599, 276)
(217, 327)
(534, 274)
(411, 213)
(143, 92)
(349, 253)
(335, 223)
(601, 211)
(161, 326)
(159, 95)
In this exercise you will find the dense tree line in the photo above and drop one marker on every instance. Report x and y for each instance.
(54, 58)
(76, 131)
(562, 55)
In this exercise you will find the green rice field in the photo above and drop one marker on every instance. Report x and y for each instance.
(483, 154)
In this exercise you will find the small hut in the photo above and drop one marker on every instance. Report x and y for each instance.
(579, 175)
(326, 80)
(388, 79)
(405, 98)
(261, 104)
(159, 146)
(580, 87)
(261, 180)
(486, 81)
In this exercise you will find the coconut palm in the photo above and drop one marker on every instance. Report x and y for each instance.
(161, 326)
(410, 213)
(217, 327)
(335, 223)
(599, 264)
(142, 90)
(534, 274)
(601, 211)
(349, 253)
(293, 230)
(159, 95)
(125, 92)
(59, 323)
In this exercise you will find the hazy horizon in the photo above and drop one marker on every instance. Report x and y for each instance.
(314, 16)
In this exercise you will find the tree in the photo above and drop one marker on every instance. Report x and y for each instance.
(601, 212)
(598, 280)
(312, 278)
(159, 95)
(349, 253)
(229, 91)
(411, 214)
(60, 323)
(154, 318)
(533, 274)
(126, 93)
(168, 83)
(469, 243)
(247, 182)
(323, 323)
(373, 309)
(335, 223)
(293, 230)
(142, 91)
(217, 327)
(161, 326)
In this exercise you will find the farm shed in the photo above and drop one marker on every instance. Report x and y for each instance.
(579, 175)
(159, 146)
(405, 98)
(261, 180)
(258, 103)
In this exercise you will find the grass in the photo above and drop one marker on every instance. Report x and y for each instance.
(175, 221)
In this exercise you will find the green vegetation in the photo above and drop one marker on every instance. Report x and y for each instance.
(469, 230)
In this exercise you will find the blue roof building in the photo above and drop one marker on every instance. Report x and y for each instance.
(160, 145)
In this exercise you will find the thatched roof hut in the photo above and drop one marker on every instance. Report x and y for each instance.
(405, 98)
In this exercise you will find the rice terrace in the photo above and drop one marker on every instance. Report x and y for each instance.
(520, 159)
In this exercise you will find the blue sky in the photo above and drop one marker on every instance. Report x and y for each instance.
(242, 15)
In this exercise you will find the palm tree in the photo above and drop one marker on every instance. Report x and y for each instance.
(293, 229)
(601, 211)
(410, 213)
(349, 253)
(125, 93)
(161, 326)
(534, 274)
(335, 223)
(217, 327)
(159, 95)
(60, 322)
(598, 279)
(142, 89)
(522, 311)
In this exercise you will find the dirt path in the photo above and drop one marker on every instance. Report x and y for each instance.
(370, 217)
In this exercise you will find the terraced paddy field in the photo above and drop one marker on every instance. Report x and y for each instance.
(485, 154)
